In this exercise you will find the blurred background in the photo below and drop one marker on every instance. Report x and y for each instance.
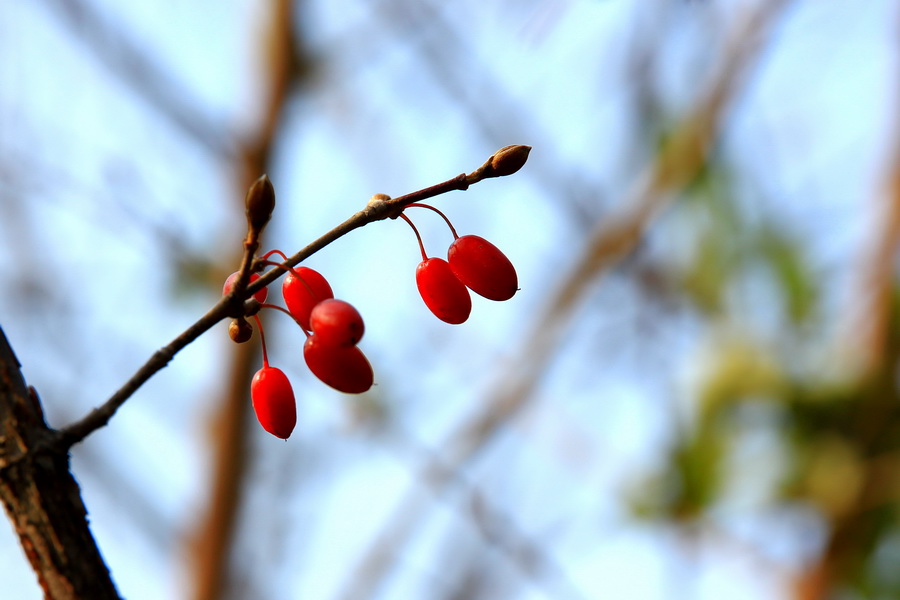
(693, 395)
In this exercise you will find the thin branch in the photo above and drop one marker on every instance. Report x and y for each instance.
(379, 208)
(260, 202)
(505, 161)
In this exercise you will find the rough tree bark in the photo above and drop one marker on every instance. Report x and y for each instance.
(41, 498)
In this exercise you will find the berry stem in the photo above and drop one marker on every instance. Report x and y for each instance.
(271, 263)
(443, 216)
(418, 237)
(278, 265)
(265, 257)
(285, 311)
(262, 339)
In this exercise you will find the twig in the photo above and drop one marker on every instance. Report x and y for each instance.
(379, 208)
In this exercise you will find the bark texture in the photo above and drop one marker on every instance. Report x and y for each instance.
(41, 498)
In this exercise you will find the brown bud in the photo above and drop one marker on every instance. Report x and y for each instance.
(260, 201)
(508, 160)
(378, 199)
(239, 330)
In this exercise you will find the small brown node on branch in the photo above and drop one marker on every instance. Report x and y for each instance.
(378, 202)
(260, 202)
(505, 161)
(239, 330)
(378, 199)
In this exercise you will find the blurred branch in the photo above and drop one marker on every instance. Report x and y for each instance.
(212, 540)
(532, 558)
(462, 75)
(674, 166)
(873, 346)
(870, 322)
(149, 81)
(860, 524)
(495, 528)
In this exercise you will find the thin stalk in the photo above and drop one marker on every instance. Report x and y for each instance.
(418, 237)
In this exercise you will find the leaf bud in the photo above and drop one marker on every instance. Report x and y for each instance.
(508, 160)
(260, 202)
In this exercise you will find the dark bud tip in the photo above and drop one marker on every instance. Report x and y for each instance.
(260, 203)
(509, 159)
(239, 330)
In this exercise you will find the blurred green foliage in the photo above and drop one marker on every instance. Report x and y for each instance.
(837, 436)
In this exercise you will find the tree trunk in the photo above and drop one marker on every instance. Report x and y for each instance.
(42, 498)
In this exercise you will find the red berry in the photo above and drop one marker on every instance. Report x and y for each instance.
(336, 323)
(301, 294)
(483, 268)
(273, 402)
(229, 283)
(444, 294)
(345, 368)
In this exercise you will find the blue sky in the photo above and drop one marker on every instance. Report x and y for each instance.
(102, 192)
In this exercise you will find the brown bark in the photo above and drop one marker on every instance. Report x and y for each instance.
(41, 498)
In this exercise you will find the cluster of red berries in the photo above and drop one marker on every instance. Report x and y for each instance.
(333, 329)
(473, 263)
